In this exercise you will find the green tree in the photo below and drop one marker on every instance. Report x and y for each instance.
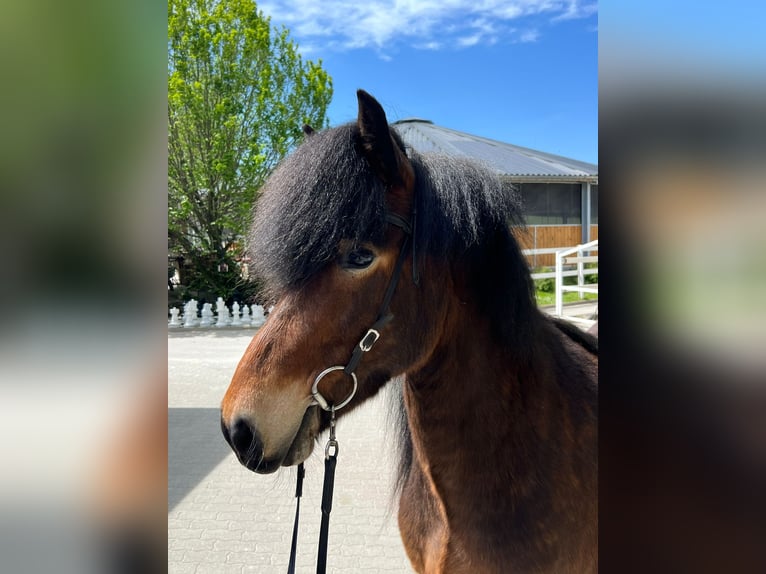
(238, 95)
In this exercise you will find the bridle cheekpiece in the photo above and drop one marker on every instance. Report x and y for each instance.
(372, 335)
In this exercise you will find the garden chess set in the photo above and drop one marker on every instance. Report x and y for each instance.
(236, 316)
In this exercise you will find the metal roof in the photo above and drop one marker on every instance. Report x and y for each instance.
(518, 163)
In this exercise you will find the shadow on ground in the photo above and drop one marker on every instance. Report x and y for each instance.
(195, 447)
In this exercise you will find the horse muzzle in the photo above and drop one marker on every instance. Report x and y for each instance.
(248, 445)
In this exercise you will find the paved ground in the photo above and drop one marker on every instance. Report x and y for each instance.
(223, 518)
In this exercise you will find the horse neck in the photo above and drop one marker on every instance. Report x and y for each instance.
(487, 418)
(461, 401)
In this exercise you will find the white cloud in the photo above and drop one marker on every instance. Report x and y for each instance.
(423, 24)
(428, 46)
(529, 36)
(466, 41)
(576, 9)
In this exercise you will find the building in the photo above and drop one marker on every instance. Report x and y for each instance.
(559, 195)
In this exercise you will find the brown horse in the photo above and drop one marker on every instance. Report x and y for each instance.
(499, 402)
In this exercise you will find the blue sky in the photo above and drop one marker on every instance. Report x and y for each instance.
(520, 71)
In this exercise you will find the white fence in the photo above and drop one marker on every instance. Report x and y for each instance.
(576, 264)
(550, 274)
(583, 256)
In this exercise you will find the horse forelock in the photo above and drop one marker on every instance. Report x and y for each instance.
(322, 193)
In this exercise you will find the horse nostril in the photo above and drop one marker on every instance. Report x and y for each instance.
(241, 437)
(244, 441)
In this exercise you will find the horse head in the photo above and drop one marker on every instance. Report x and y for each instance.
(331, 234)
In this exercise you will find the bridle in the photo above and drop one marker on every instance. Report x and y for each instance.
(373, 333)
(364, 345)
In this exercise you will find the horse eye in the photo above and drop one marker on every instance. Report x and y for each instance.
(358, 259)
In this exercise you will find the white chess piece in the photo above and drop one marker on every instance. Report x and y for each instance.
(207, 315)
(223, 313)
(258, 318)
(235, 320)
(246, 316)
(174, 321)
(190, 313)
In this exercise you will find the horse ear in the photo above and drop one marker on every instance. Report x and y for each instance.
(377, 144)
(307, 129)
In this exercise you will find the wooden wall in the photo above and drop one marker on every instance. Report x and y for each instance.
(550, 236)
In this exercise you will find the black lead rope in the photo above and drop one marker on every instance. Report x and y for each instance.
(330, 460)
(331, 450)
(329, 479)
(298, 494)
